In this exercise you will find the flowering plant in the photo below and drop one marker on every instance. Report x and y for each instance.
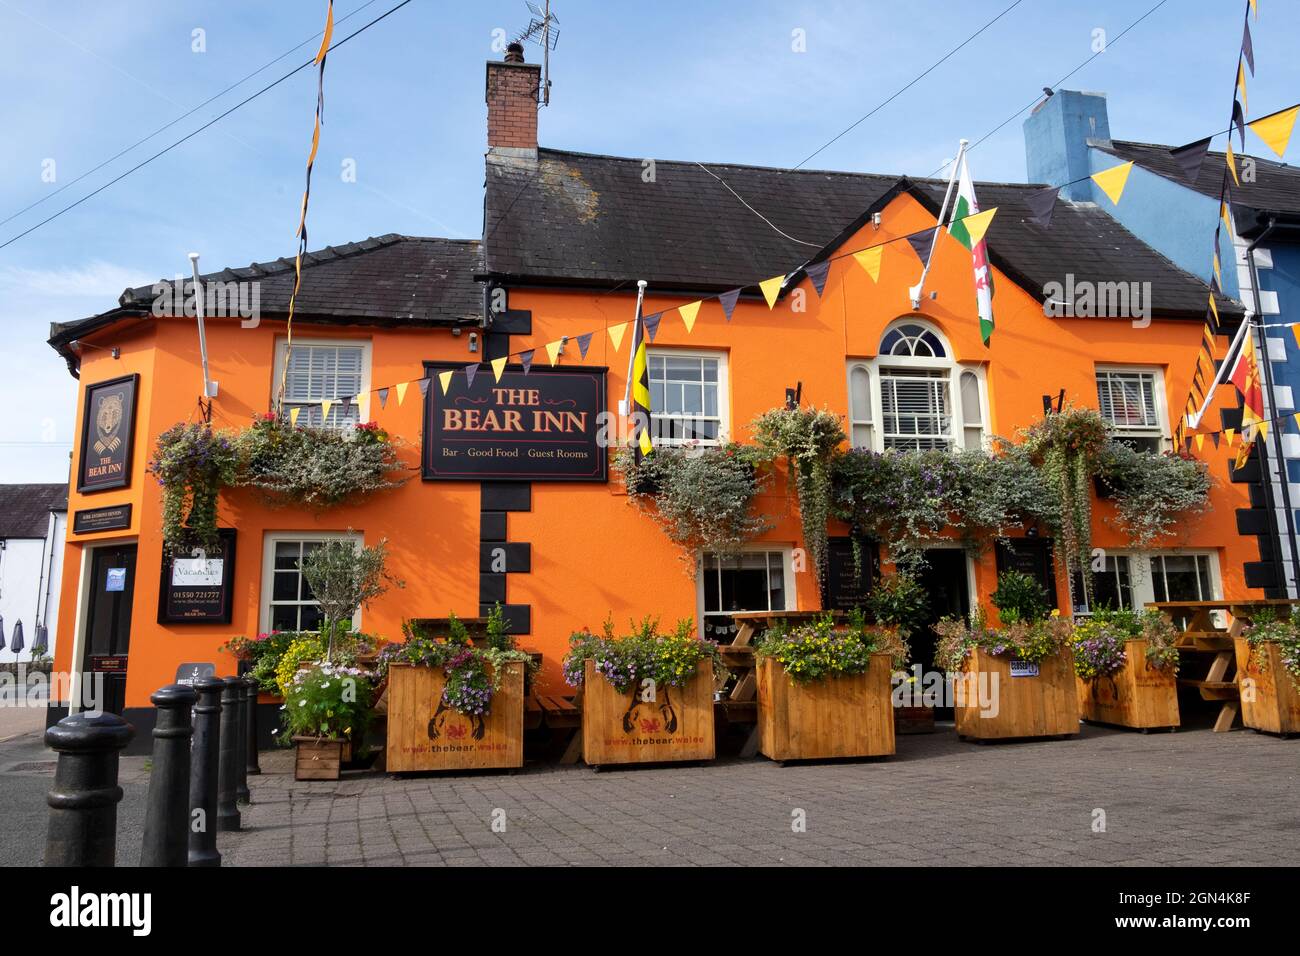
(822, 649)
(192, 463)
(670, 660)
(328, 701)
(1268, 628)
(1152, 492)
(1099, 641)
(1023, 641)
(1099, 649)
(263, 653)
(304, 646)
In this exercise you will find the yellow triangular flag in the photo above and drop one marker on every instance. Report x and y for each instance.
(869, 259)
(325, 407)
(293, 415)
(444, 379)
(1215, 309)
(1231, 161)
(1275, 130)
(1255, 7)
(978, 224)
(1112, 180)
(1200, 442)
(1295, 331)
(1226, 217)
(1218, 274)
(553, 350)
(688, 313)
(400, 388)
(1263, 429)
(1230, 434)
(616, 334)
(1241, 84)
(771, 289)
(1296, 416)
(499, 366)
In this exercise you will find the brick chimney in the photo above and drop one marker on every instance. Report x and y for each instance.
(512, 87)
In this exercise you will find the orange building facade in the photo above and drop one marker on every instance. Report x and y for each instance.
(590, 552)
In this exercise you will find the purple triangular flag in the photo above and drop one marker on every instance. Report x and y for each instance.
(424, 387)
(1239, 121)
(728, 300)
(383, 398)
(584, 343)
(1248, 48)
(652, 325)
(526, 360)
(1190, 157)
(922, 243)
(1214, 437)
(1042, 205)
(470, 371)
(345, 404)
(818, 272)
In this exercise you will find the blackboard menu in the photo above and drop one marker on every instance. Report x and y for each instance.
(197, 588)
(845, 588)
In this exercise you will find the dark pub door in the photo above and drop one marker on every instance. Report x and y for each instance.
(108, 622)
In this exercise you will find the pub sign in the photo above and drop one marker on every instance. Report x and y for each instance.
(107, 434)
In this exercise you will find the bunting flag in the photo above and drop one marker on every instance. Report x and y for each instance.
(1241, 85)
(383, 398)
(424, 387)
(1230, 434)
(499, 367)
(1215, 310)
(771, 288)
(729, 300)
(818, 273)
(1239, 123)
(444, 379)
(526, 359)
(688, 313)
(1042, 204)
(346, 404)
(870, 259)
(1214, 437)
(968, 228)
(470, 371)
(1230, 159)
(1247, 47)
(1190, 157)
(1224, 213)
(1112, 181)
(401, 392)
(1200, 442)
(922, 243)
(651, 323)
(616, 334)
(1275, 130)
(553, 351)
(301, 232)
(638, 408)
(1217, 266)
(293, 416)
(584, 343)
(325, 407)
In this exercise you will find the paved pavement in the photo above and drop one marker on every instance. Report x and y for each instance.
(1168, 799)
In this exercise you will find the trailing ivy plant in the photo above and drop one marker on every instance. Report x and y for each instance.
(702, 496)
(1153, 492)
(1069, 448)
(809, 439)
(192, 463)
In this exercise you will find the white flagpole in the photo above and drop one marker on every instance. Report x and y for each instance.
(625, 406)
(209, 386)
(916, 290)
(1225, 369)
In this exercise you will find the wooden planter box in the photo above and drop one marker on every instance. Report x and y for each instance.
(1045, 705)
(423, 734)
(318, 758)
(621, 728)
(1270, 702)
(850, 715)
(1137, 695)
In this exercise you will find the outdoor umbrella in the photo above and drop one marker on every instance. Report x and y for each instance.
(42, 642)
(17, 644)
(2, 632)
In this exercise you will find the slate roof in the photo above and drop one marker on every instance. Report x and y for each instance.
(1276, 187)
(591, 219)
(384, 280)
(25, 509)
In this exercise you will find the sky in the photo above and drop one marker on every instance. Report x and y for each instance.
(713, 81)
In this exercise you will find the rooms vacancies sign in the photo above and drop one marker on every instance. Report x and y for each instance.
(542, 426)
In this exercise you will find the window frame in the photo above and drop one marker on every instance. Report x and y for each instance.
(1160, 431)
(724, 395)
(1142, 577)
(362, 397)
(265, 599)
(786, 553)
(877, 367)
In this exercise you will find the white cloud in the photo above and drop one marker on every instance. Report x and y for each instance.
(96, 279)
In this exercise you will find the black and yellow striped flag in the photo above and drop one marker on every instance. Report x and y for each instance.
(639, 381)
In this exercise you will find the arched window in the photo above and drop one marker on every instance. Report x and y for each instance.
(912, 340)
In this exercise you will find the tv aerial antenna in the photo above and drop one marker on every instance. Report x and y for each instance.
(542, 31)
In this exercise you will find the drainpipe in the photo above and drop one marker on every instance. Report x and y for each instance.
(1283, 478)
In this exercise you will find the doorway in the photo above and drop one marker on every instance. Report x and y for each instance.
(947, 586)
(108, 621)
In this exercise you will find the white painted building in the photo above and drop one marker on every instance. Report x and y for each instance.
(33, 526)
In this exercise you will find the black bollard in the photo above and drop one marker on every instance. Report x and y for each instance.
(250, 728)
(83, 804)
(204, 763)
(228, 772)
(166, 821)
(241, 769)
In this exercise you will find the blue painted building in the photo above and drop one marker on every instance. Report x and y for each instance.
(1067, 140)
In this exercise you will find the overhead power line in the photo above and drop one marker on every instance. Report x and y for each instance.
(212, 122)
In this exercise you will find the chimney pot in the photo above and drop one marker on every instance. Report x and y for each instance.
(514, 52)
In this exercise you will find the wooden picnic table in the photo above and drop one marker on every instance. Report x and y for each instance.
(1202, 635)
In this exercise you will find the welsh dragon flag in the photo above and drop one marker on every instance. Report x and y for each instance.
(979, 249)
